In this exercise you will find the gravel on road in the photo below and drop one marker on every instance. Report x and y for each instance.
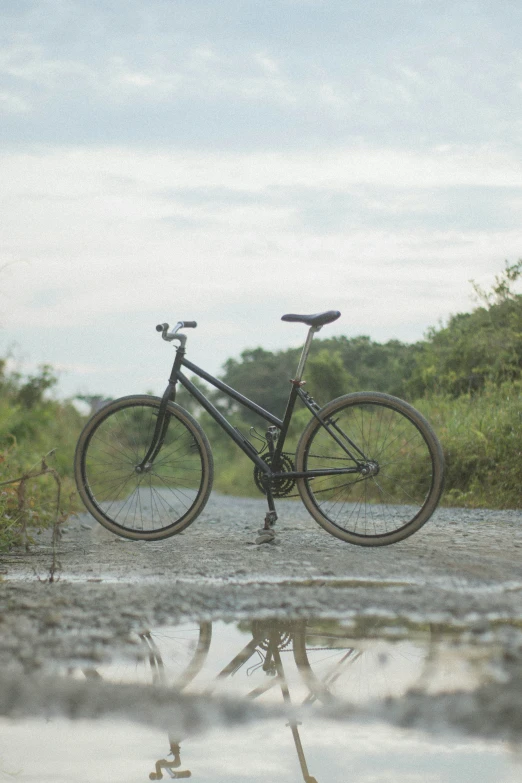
(461, 573)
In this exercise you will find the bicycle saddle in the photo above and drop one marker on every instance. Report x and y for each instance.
(319, 319)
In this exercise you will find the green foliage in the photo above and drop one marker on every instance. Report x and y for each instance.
(466, 377)
(375, 366)
(502, 290)
(328, 377)
(30, 427)
(474, 348)
(336, 366)
(262, 376)
(481, 437)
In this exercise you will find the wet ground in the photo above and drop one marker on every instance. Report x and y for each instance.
(401, 662)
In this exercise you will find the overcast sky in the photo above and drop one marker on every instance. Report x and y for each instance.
(232, 161)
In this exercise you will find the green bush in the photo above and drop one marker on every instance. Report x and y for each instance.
(475, 348)
(466, 377)
(31, 426)
(481, 438)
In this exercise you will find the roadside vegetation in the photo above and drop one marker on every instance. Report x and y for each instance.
(465, 376)
(37, 437)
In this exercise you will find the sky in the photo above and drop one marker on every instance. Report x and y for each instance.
(230, 162)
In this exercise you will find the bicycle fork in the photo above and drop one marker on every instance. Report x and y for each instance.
(160, 432)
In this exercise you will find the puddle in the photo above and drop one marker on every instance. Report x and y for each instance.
(321, 660)
(326, 752)
(322, 581)
(255, 700)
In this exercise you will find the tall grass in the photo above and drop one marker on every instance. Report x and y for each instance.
(26, 436)
(481, 436)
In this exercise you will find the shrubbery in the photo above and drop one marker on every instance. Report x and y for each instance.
(31, 426)
(466, 377)
(481, 437)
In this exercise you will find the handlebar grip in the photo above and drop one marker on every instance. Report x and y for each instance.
(190, 324)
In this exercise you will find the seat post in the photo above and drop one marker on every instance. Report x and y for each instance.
(305, 352)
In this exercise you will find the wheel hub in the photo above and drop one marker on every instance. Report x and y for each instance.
(370, 469)
(143, 468)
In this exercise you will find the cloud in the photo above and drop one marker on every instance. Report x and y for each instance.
(248, 76)
(229, 162)
(102, 227)
(13, 104)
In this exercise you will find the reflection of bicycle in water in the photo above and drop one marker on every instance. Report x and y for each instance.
(171, 767)
(319, 662)
(270, 640)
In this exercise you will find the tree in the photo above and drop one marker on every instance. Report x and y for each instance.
(477, 347)
(327, 376)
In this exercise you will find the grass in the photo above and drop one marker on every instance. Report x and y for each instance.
(29, 504)
(481, 435)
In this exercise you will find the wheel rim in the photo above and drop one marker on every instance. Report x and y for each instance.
(166, 656)
(154, 499)
(338, 664)
(395, 480)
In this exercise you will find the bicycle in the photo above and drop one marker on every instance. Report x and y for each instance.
(332, 666)
(368, 466)
(270, 640)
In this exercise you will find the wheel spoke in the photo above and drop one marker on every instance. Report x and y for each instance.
(162, 498)
(404, 470)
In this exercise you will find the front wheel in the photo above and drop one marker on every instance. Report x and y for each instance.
(394, 469)
(148, 504)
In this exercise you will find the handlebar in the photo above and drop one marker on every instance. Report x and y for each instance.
(169, 336)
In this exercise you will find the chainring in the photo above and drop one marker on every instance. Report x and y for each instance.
(265, 632)
(281, 487)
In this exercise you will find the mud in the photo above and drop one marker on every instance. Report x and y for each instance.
(461, 575)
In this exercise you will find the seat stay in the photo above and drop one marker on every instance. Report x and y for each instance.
(329, 426)
(333, 424)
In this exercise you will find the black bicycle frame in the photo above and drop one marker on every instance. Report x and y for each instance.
(239, 439)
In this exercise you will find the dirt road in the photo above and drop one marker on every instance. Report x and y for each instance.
(463, 566)
(461, 573)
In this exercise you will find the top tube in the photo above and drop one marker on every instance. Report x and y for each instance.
(233, 393)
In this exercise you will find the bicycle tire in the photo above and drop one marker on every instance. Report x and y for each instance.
(154, 504)
(397, 499)
(170, 657)
(340, 665)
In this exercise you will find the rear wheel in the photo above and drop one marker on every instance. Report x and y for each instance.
(159, 501)
(397, 465)
(341, 664)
